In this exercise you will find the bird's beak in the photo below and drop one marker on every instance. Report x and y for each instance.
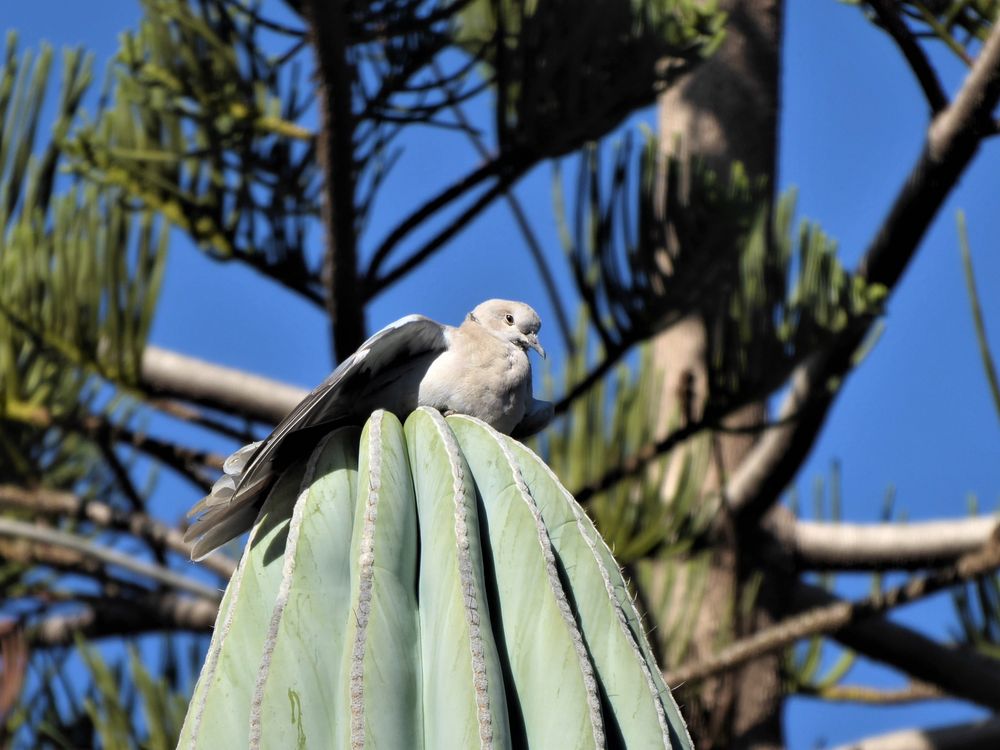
(533, 343)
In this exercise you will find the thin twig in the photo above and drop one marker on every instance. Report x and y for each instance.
(122, 477)
(942, 33)
(989, 364)
(635, 463)
(612, 355)
(530, 238)
(223, 388)
(428, 209)
(912, 693)
(914, 54)
(380, 284)
(188, 413)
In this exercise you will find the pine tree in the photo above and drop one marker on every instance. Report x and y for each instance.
(249, 126)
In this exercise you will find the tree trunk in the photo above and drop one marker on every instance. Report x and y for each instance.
(335, 154)
(726, 110)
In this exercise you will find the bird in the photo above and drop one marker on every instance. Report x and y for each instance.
(480, 369)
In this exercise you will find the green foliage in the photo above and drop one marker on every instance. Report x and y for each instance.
(511, 626)
(80, 271)
(978, 608)
(647, 251)
(602, 431)
(802, 667)
(202, 128)
(989, 364)
(561, 83)
(122, 706)
(79, 276)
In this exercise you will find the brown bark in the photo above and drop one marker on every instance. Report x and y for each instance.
(335, 154)
(838, 616)
(177, 375)
(726, 110)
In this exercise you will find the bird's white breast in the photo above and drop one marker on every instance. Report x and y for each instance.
(489, 380)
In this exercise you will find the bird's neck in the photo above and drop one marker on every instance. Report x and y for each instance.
(478, 329)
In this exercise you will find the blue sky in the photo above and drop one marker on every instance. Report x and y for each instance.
(916, 416)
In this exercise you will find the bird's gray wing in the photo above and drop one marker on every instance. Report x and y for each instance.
(232, 505)
(407, 338)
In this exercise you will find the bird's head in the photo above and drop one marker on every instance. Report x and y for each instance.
(514, 322)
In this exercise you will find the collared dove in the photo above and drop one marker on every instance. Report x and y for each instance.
(480, 368)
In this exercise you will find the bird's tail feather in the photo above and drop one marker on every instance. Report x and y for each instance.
(223, 526)
(231, 507)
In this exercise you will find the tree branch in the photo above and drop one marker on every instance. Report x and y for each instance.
(952, 140)
(66, 505)
(188, 413)
(125, 616)
(611, 357)
(852, 546)
(328, 29)
(428, 209)
(839, 614)
(376, 286)
(978, 735)
(912, 693)
(15, 529)
(926, 76)
(958, 671)
(225, 388)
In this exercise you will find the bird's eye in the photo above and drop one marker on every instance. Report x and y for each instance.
(509, 318)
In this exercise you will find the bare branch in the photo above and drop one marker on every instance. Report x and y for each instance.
(912, 693)
(833, 617)
(853, 546)
(224, 388)
(125, 616)
(10, 527)
(952, 140)
(185, 461)
(328, 30)
(65, 504)
(781, 450)
(958, 671)
(978, 735)
(926, 76)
